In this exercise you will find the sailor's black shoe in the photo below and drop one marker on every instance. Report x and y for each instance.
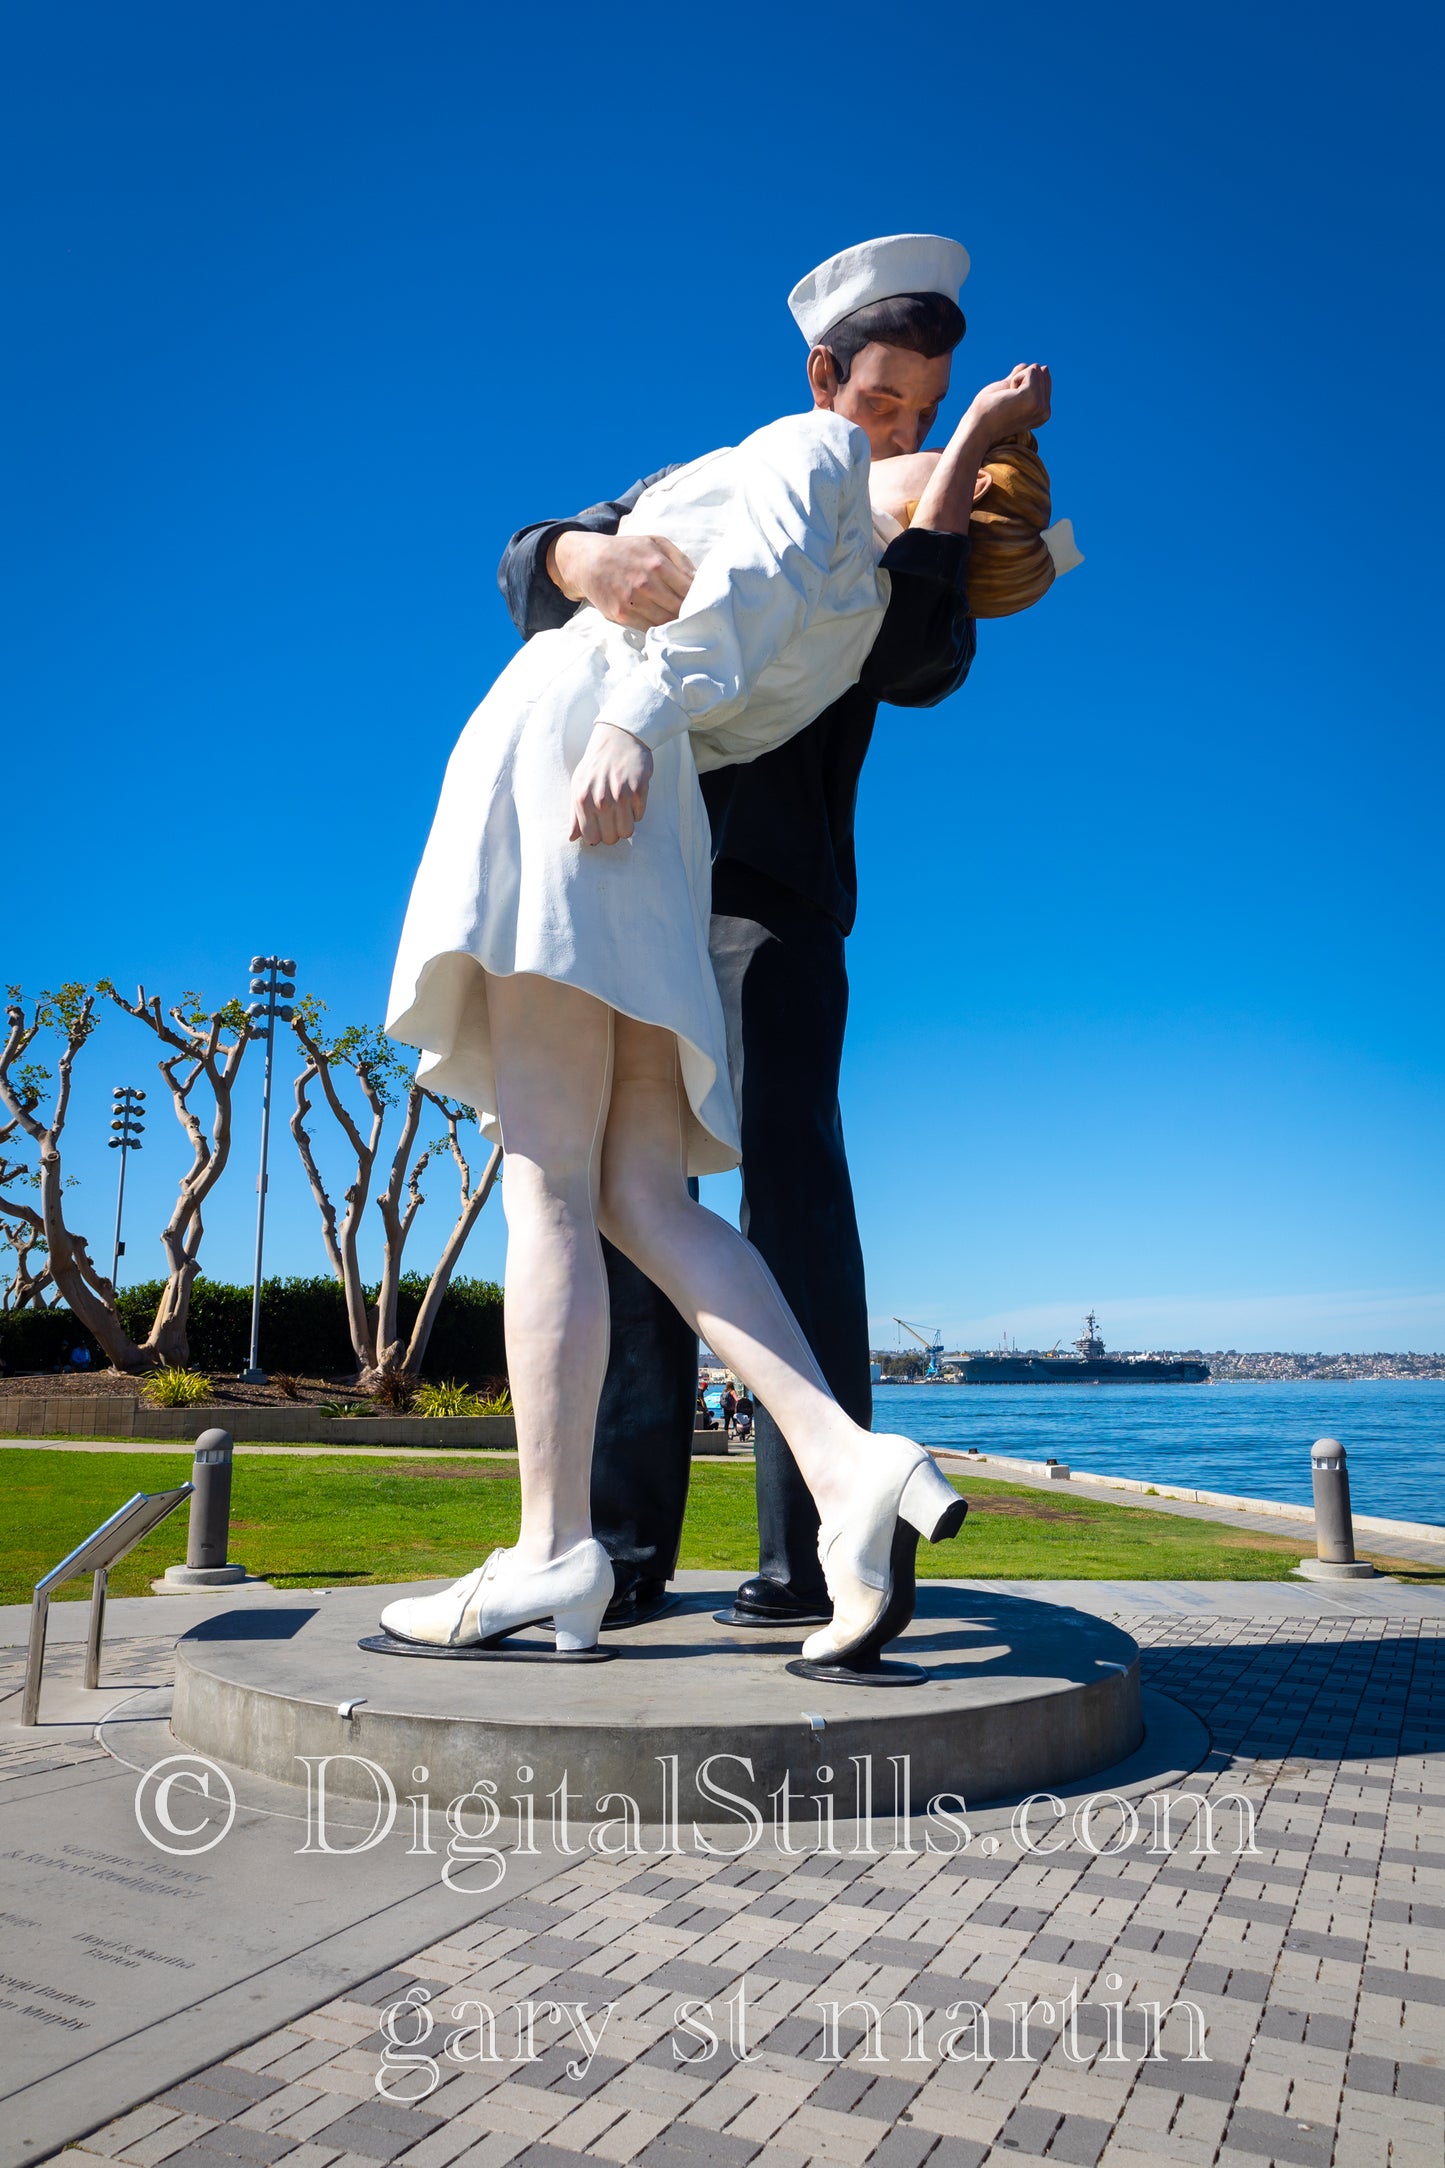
(636, 1603)
(768, 1604)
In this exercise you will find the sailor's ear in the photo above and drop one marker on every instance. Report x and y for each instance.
(982, 485)
(822, 376)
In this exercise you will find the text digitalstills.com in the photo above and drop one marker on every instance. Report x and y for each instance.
(186, 1805)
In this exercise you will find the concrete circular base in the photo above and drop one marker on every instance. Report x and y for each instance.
(1019, 1696)
(186, 1580)
(1329, 1569)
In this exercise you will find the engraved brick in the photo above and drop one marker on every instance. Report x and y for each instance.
(905, 2148)
(379, 2130)
(1080, 2139)
(178, 2132)
(1214, 2080)
(1029, 2130)
(1279, 2138)
(229, 2143)
(1421, 1987)
(685, 2145)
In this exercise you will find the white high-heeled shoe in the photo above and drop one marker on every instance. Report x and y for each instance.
(867, 1554)
(500, 1596)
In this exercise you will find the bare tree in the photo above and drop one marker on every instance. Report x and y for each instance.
(26, 1287)
(68, 1011)
(470, 1200)
(384, 1082)
(200, 1051)
(22, 1229)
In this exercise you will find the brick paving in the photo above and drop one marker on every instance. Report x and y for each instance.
(1317, 1964)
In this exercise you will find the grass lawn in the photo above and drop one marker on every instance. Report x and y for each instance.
(331, 1522)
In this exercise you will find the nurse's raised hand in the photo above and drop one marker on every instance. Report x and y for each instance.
(609, 786)
(1021, 400)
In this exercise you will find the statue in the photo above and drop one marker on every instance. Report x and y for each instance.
(555, 964)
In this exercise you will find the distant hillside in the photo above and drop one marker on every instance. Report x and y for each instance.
(1227, 1363)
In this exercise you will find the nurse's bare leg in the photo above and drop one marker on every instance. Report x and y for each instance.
(552, 1051)
(875, 1495)
(704, 1266)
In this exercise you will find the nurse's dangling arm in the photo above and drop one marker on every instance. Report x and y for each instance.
(609, 786)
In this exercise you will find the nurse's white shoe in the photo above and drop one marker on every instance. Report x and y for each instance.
(571, 1592)
(867, 1553)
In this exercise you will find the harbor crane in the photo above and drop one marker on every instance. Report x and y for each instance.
(932, 1348)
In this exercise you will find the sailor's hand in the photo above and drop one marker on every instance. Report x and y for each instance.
(1020, 401)
(633, 579)
(609, 786)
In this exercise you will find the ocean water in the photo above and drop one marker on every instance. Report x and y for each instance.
(1249, 1439)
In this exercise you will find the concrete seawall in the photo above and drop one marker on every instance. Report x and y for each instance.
(1277, 1508)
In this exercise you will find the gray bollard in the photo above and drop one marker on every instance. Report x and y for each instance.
(1334, 1523)
(210, 1528)
(206, 1564)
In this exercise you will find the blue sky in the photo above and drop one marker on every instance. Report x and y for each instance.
(311, 306)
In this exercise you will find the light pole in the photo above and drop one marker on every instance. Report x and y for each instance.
(128, 1119)
(273, 979)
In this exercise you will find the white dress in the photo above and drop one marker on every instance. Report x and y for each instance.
(787, 601)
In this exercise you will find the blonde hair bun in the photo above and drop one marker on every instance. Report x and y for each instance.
(1010, 566)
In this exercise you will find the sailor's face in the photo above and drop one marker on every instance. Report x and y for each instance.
(892, 394)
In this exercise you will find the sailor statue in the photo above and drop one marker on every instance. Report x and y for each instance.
(625, 948)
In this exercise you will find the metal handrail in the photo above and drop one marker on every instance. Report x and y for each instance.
(97, 1554)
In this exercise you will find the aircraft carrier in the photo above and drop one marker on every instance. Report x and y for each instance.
(1090, 1366)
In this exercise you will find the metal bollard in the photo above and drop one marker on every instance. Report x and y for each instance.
(210, 1529)
(206, 1564)
(1334, 1523)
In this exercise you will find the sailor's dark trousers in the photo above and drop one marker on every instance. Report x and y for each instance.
(784, 984)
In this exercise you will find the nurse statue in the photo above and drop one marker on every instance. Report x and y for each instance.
(555, 965)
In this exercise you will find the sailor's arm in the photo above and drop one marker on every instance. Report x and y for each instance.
(638, 580)
(550, 568)
(925, 645)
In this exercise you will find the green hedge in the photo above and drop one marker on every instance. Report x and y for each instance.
(303, 1328)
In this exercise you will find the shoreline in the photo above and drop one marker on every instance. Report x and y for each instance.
(1235, 1378)
(1277, 1508)
(1193, 1451)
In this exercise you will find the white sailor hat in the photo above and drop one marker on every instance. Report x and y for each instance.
(899, 263)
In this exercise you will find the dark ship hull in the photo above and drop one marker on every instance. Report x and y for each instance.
(1069, 1370)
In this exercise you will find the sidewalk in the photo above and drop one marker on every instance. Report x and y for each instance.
(1318, 1962)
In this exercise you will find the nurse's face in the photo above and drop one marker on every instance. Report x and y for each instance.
(892, 394)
